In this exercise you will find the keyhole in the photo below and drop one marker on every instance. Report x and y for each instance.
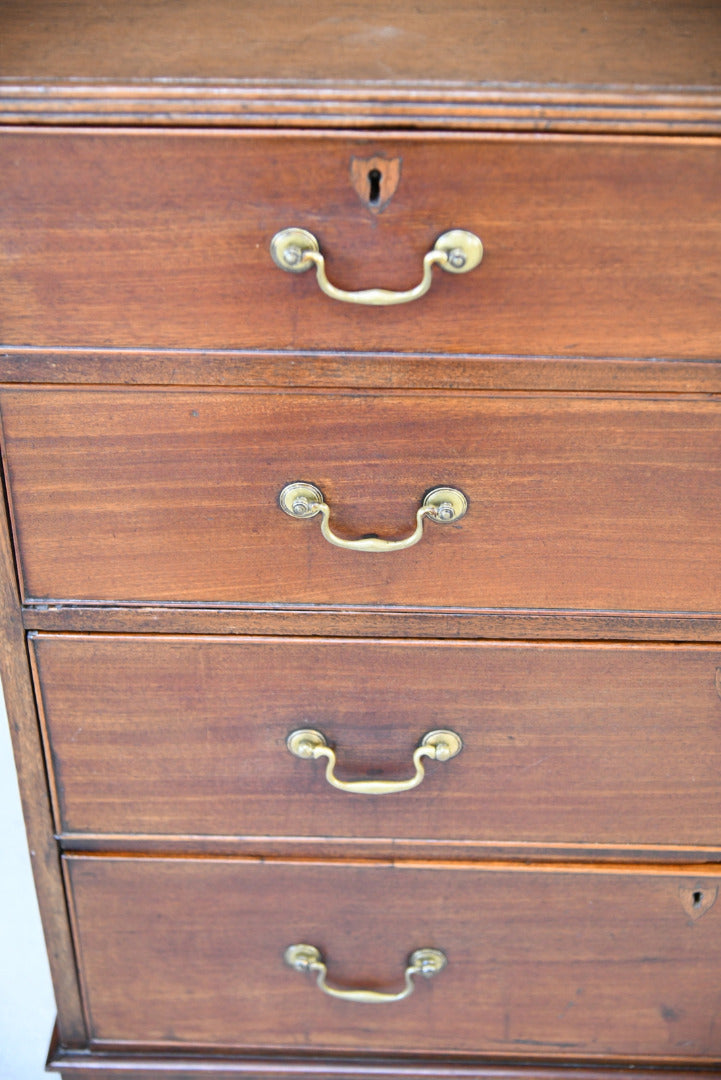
(697, 898)
(374, 186)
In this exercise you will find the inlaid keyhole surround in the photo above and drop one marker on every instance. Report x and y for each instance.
(697, 899)
(375, 180)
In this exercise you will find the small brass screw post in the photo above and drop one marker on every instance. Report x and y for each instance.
(457, 258)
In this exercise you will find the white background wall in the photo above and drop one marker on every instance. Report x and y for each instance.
(27, 1008)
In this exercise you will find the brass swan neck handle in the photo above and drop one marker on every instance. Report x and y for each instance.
(307, 958)
(296, 250)
(439, 745)
(442, 505)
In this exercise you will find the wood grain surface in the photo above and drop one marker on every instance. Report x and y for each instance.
(516, 65)
(44, 855)
(590, 502)
(593, 246)
(668, 42)
(555, 963)
(373, 622)
(568, 861)
(388, 371)
(565, 744)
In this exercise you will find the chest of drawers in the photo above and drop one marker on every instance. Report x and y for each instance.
(361, 620)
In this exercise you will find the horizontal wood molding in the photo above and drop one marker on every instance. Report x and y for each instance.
(107, 1067)
(393, 370)
(336, 105)
(690, 859)
(501, 625)
(103, 1065)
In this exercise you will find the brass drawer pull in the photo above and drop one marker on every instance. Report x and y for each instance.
(296, 250)
(442, 505)
(440, 745)
(425, 962)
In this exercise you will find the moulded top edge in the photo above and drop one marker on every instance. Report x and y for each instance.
(319, 103)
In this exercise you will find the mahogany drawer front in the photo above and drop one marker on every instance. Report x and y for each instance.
(621, 964)
(575, 502)
(561, 743)
(593, 246)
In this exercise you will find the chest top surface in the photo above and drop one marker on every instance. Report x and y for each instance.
(518, 65)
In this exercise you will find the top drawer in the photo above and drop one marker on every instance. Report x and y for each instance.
(594, 246)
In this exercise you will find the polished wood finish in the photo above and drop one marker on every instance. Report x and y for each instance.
(560, 743)
(76, 1066)
(513, 65)
(369, 850)
(371, 371)
(458, 625)
(593, 246)
(556, 964)
(582, 502)
(161, 380)
(670, 43)
(29, 759)
(340, 105)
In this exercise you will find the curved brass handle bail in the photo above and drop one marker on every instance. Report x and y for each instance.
(442, 505)
(440, 745)
(307, 958)
(296, 250)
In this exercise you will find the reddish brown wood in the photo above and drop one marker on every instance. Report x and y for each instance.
(561, 744)
(394, 371)
(555, 963)
(27, 747)
(576, 889)
(369, 850)
(515, 625)
(558, 65)
(594, 247)
(574, 502)
(368, 106)
(669, 42)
